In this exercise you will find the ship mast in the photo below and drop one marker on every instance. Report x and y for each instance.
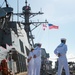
(27, 14)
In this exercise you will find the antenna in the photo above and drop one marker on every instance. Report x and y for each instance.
(17, 9)
(26, 2)
(6, 3)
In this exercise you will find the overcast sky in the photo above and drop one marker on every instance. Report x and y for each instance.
(57, 12)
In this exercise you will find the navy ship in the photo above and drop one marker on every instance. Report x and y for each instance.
(16, 40)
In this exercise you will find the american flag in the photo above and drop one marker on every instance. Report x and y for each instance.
(51, 26)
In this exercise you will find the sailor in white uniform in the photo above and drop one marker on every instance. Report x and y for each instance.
(60, 51)
(37, 59)
(31, 63)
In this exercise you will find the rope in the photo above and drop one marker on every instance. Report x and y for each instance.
(38, 34)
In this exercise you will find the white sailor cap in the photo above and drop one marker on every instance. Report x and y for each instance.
(63, 39)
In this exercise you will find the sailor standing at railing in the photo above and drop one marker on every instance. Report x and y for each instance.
(60, 51)
(37, 59)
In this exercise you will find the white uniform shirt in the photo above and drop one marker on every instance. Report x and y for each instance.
(62, 49)
(37, 52)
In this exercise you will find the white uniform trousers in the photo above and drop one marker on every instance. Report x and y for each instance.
(62, 63)
(37, 67)
(30, 70)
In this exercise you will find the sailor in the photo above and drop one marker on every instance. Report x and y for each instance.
(31, 63)
(61, 51)
(37, 59)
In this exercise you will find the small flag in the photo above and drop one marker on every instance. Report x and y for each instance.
(51, 26)
(44, 26)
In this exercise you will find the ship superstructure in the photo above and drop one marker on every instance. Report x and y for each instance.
(16, 37)
(14, 44)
